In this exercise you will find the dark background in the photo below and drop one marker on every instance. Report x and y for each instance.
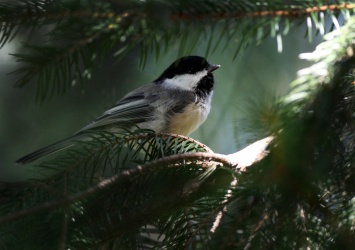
(257, 74)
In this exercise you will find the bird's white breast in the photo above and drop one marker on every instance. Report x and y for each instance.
(191, 118)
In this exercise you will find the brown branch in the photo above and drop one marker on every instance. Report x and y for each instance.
(264, 13)
(35, 16)
(250, 154)
(241, 159)
(296, 12)
(121, 139)
(107, 183)
(211, 159)
(173, 159)
(63, 201)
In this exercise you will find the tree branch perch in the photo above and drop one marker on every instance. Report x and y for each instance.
(240, 160)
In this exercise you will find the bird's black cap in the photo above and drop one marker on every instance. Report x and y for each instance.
(187, 65)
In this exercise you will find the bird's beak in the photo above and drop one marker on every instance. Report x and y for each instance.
(213, 67)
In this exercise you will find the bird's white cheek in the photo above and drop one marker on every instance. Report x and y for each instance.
(186, 81)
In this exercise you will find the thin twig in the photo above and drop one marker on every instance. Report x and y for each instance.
(35, 16)
(226, 200)
(264, 13)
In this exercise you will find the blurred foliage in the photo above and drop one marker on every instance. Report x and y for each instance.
(77, 34)
(302, 194)
(139, 190)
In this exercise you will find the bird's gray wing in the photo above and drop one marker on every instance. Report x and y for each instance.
(152, 101)
(136, 107)
(132, 109)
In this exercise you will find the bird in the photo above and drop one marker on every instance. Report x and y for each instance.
(177, 102)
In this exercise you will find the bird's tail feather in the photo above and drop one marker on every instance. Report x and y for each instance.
(55, 147)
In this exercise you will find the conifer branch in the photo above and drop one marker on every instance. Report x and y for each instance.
(126, 176)
(204, 199)
(296, 12)
(121, 27)
(20, 18)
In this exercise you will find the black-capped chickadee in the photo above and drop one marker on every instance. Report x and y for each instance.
(177, 102)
